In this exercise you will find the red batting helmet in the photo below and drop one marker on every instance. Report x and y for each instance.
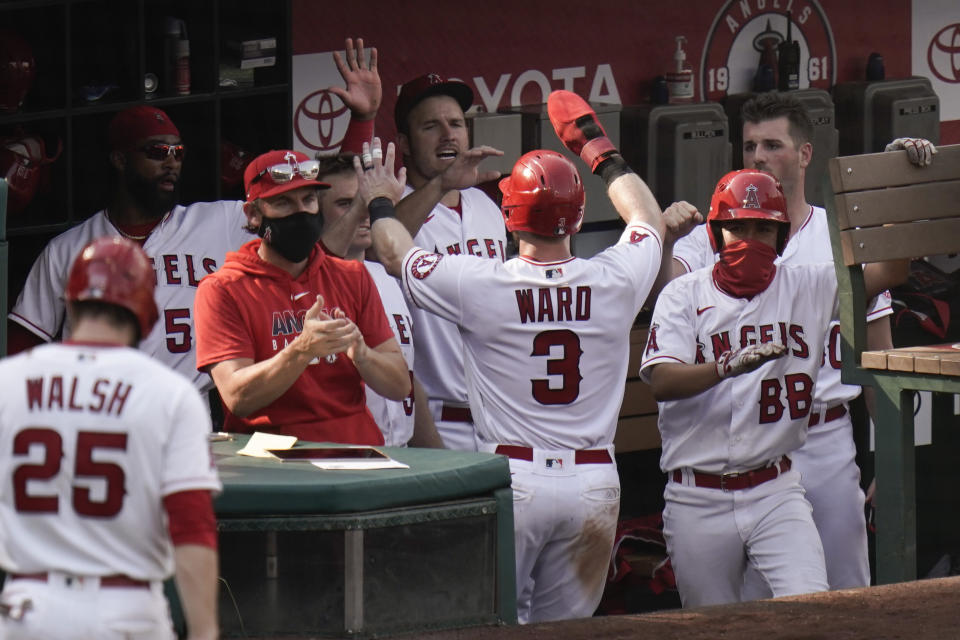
(543, 195)
(747, 194)
(23, 162)
(117, 271)
(17, 69)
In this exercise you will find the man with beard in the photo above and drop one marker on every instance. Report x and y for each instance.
(289, 334)
(184, 243)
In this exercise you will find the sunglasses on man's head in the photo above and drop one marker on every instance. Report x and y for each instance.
(161, 151)
(282, 173)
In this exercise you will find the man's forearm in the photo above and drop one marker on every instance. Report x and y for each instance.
(196, 577)
(676, 380)
(247, 389)
(635, 203)
(385, 371)
(413, 210)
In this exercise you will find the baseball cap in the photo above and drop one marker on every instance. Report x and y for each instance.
(425, 86)
(260, 182)
(136, 123)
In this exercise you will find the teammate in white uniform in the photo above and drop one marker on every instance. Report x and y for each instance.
(346, 222)
(446, 216)
(733, 355)
(183, 243)
(776, 135)
(545, 339)
(107, 472)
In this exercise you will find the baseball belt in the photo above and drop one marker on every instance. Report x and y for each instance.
(581, 456)
(449, 413)
(831, 414)
(736, 481)
(115, 580)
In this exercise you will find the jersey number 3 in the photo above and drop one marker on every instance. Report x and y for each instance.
(567, 366)
(85, 467)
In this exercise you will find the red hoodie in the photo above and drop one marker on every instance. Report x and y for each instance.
(252, 309)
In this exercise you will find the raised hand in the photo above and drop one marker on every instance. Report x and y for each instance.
(363, 93)
(680, 218)
(375, 175)
(733, 363)
(464, 172)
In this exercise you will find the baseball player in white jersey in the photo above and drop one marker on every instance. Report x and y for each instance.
(446, 216)
(183, 243)
(776, 134)
(107, 472)
(346, 223)
(733, 355)
(545, 350)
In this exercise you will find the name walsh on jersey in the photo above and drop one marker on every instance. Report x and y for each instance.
(50, 393)
(553, 304)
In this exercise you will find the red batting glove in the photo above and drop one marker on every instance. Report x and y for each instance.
(577, 126)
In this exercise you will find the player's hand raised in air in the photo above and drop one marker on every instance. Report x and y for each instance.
(464, 172)
(375, 173)
(680, 219)
(734, 362)
(363, 92)
(323, 335)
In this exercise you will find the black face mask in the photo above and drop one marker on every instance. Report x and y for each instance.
(293, 236)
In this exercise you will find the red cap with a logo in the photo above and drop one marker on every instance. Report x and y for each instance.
(259, 183)
(137, 123)
(431, 84)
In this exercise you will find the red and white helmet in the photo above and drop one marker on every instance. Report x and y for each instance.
(22, 161)
(747, 194)
(117, 271)
(543, 195)
(17, 69)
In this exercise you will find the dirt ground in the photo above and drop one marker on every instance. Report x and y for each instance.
(910, 610)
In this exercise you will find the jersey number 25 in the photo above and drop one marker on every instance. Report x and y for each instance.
(84, 467)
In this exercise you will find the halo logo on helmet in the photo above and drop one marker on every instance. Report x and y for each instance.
(543, 195)
(748, 194)
(116, 271)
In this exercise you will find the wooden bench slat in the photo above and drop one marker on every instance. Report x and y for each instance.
(637, 399)
(875, 170)
(638, 340)
(637, 433)
(926, 238)
(900, 204)
(873, 360)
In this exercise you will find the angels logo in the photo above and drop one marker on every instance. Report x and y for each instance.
(744, 31)
(636, 236)
(751, 201)
(652, 346)
(424, 265)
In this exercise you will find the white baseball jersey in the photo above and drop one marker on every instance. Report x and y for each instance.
(188, 244)
(92, 438)
(395, 419)
(543, 343)
(809, 245)
(478, 232)
(747, 420)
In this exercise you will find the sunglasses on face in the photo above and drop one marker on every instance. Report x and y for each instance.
(161, 151)
(281, 173)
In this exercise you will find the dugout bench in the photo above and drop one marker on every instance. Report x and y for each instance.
(360, 553)
(881, 207)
